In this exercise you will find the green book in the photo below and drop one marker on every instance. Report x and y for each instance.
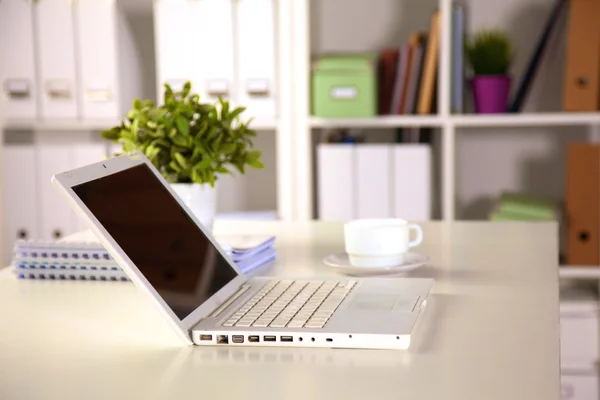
(534, 207)
(503, 215)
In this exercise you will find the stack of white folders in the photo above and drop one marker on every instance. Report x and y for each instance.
(90, 261)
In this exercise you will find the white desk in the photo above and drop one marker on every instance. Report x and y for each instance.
(490, 331)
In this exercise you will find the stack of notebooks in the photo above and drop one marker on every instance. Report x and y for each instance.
(90, 261)
(518, 207)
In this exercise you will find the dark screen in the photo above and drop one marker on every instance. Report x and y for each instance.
(158, 236)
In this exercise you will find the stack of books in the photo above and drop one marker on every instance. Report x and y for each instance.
(519, 207)
(90, 261)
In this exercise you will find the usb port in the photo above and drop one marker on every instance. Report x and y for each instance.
(286, 338)
(237, 338)
(269, 338)
(253, 338)
(205, 337)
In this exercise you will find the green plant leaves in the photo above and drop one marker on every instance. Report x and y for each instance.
(489, 52)
(186, 140)
(183, 125)
(128, 144)
(182, 161)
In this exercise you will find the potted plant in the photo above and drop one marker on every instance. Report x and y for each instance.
(190, 143)
(490, 55)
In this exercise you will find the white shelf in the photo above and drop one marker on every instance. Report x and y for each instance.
(579, 272)
(523, 120)
(263, 124)
(391, 121)
(58, 125)
(462, 121)
(259, 124)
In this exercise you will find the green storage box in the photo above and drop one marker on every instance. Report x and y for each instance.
(345, 86)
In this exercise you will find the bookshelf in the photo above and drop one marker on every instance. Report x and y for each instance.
(319, 30)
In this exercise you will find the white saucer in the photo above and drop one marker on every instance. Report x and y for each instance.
(341, 263)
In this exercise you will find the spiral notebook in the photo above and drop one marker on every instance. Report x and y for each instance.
(90, 261)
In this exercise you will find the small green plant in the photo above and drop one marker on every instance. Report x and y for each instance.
(490, 52)
(186, 140)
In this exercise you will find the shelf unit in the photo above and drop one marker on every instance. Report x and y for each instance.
(450, 126)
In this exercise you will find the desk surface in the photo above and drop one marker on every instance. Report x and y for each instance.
(490, 330)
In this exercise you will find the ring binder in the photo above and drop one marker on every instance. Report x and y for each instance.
(55, 260)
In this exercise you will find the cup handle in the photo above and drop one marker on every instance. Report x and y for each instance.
(419, 233)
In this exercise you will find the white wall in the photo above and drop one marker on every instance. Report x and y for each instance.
(489, 161)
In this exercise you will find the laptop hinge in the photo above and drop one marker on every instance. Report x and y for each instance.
(229, 301)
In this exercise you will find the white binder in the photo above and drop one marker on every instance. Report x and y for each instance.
(412, 182)
(213, 49)
(17, 60)
(175, 44)
(336, 182)
(256, 83)
(97, 59)
(56, 219)
(373, 181)
(56, 58)
(83, 154)
(19, 197)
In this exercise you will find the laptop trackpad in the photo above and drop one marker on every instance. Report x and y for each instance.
(383, 302)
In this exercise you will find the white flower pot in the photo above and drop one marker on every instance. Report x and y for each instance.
(200, 199)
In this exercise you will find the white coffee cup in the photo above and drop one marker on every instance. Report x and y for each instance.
(380, 242)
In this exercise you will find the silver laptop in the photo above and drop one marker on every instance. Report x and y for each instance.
(200, 291)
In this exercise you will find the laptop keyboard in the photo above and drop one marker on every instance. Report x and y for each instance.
(292, 304)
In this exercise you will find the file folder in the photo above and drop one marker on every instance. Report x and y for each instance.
(97, 59)
(175, 43)
(582, 197)
(17, 61)
(582, 63)
(19, 197)
(335, 178)
(373, 181)
(256, 34)
(411, 182)
(56, 59)
(213, 62)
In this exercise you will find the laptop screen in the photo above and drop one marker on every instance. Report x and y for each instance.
(159, 237)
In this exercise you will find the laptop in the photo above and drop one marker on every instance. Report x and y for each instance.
(201, 293)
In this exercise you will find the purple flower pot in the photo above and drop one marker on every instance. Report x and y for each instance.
(491, 94)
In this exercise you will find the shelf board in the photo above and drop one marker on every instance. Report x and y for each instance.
(263, 124)
(59, 125)
(258, 124)
(529, 119)
(391, 121)
(579, 272)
